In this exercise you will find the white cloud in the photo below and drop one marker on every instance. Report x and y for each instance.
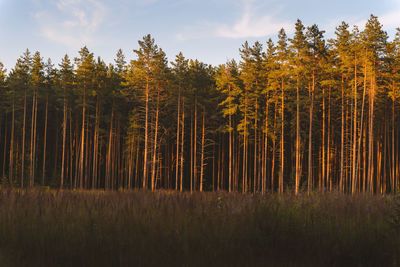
(252, 24)
(249, 24)
(391, 19)
(72, 22)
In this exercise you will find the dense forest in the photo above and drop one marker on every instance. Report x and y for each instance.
(302, 114)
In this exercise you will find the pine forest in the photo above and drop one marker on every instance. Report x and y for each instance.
(302, 114)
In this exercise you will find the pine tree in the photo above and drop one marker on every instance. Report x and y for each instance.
(66, 80)
(228, 84)
(84, 77)
(298, 48)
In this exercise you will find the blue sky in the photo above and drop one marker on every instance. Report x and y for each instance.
(209, 30)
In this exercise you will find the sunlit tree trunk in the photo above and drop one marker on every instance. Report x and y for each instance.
(155, 142)
(23, 143)
(298, 174)
(177, 140)
(354, 177)
(310, 136)
(195, 146)
(342, 141)
(146, 133)
(202, 151)
(182, 143)
(282, 139)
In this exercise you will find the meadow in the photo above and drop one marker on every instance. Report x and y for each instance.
(139, 228)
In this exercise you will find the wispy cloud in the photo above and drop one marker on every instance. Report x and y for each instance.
(391, 19)
(71, 22)
(252, 24)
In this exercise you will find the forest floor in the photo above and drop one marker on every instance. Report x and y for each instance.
(97, 228)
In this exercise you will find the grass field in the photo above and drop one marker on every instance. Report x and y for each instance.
(95, 228)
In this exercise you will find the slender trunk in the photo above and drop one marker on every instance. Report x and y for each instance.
(11, 167)
(137, 165)
(310, 136)
(95, 147)
(371, 135)
(191, 150)
(202, 151)
(195, 145)
(32, 138)
(245, 149)
(82, 140)
(361, 127)
(255, 147)
(177, 140)
(328, 148)
(282, 139)
(298, 174)
(109, 174)
(146, 134)
(265, 147)
(273, 153)
(155, 142)
(322, 178)
(393, 147)
(182, 143)
(5, 148)
(342, 141)
(64, 137)
(213, 169)
(45, 142)
(230, 142)
(354, 183)
(23, 143)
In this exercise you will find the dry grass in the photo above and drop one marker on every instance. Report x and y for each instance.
(39, 228)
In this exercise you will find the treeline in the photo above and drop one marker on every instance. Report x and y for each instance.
(304, 113)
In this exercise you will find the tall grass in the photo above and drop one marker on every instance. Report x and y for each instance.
(66, 228)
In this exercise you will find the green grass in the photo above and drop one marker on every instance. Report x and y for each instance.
(50, 228)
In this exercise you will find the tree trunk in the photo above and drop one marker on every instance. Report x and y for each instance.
(155, 143)
(230, 142)
(322, 178)
(64, 137)
(361, 127)
(177, 140)
(11, 167)
(108, 183)
(298, 174)
(95, 147)
(23, 143)
(82, 140)
(371, 136)
(195, 145)
(282, 140)
(310, 136)
(393, 145)
(146, 134)
(182, 143)
(342, 141)
(255, 148)
(45, 142)
(354, 183)
(273, 153)
(202, 151)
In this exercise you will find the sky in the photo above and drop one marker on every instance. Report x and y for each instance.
(211, 31)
